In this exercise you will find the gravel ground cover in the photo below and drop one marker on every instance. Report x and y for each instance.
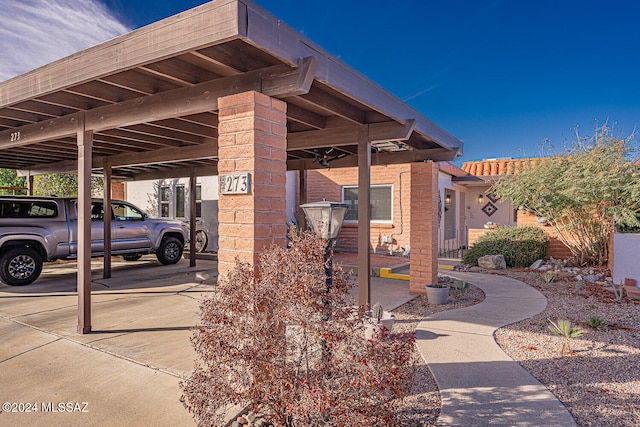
(599, 382)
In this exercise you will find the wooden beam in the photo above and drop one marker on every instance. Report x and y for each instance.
(333, 105)
(378, 159)
(106, 204)
(206, 25)
(295, 82)
(192, 218)
(173, 173)
(85, 141)
(391, 131)
(306, 117)
(267, 32)
(348, 135)
(279, 80)
(364, 218)
(163, 155)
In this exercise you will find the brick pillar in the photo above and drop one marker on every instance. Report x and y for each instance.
(424, 226)
(252, 137)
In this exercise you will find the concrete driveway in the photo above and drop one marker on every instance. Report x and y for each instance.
(127, 371)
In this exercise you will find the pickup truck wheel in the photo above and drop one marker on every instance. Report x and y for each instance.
(131, 257)
(20, 266)
(170, 250)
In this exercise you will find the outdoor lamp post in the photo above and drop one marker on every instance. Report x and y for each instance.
(325, 219)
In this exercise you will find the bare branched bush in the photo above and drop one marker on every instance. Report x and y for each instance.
(276, 340)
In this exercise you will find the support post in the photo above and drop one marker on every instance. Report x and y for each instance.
(192, 219)
(364, 217)
(252, 139)
(85, 145)
(29, 184)
(425, 207)
(106, 203)
(302, 177)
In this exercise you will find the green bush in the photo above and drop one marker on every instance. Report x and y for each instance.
(521, 246)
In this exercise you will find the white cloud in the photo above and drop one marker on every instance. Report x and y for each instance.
(36, 32)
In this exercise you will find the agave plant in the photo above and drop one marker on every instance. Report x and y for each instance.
(461, 286)
(597, 323)
(377, 311)
(562, 327)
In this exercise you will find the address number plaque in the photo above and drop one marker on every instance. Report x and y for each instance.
(235, 183)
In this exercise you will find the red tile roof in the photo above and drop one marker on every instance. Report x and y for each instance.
(498, 167)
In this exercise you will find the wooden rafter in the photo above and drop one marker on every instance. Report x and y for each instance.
(273, 81)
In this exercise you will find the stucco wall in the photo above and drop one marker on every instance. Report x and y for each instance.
(476, 217)
(625, 257)
(145, 195)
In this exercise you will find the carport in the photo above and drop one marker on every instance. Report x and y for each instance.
(221, 89)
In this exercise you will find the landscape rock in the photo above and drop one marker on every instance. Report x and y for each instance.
(539, 263)
(492, 262)
(592, 278)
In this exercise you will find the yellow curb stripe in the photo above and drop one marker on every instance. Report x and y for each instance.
(387, 273)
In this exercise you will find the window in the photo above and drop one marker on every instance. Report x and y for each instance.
(173, 201)
(180, 199)
(28, 209)
(198, 201)
(381, 202)
(97, 213)
(124, 212)
(165, 194)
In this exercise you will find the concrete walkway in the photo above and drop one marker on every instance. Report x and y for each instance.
(480, 385)
(127, 371)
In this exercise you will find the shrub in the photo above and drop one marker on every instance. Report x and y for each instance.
(521, 246)
(276, 340)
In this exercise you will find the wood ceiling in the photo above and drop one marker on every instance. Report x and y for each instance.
(218, 48)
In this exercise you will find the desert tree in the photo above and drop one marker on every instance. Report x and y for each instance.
(583, 194)
(64, 185)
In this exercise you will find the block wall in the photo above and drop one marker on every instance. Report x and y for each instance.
(328, 183)
(252, 138)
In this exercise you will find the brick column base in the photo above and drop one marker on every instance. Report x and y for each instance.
(252, 138)
(424, 226)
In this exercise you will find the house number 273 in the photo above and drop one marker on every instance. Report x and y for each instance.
(235, 183)
(15, 136)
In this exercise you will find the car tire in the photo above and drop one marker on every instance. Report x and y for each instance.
(131, 257)
(170, 250)
(20, 266)
(201, 240)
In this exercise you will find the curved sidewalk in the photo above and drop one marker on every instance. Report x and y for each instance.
(480, 385)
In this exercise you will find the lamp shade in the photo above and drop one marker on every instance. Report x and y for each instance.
(325, 218)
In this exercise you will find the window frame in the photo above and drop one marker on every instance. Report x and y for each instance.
(376, 221)
(165, 190)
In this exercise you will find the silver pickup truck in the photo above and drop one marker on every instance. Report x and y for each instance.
(37, 229)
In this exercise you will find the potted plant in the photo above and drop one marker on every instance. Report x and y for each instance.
(437, 294)
(377, 319)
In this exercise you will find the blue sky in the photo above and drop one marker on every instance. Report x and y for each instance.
(502, 76)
